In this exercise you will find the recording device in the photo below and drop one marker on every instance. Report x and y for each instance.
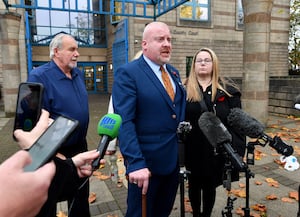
(218, 136)
(184, 127)
(28, 107)
(246, 125)
(46, 146)
(108, 128)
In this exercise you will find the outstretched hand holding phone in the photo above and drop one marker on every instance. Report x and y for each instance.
(15, 183)
(39, 178)
(26, 139)
(28, 106)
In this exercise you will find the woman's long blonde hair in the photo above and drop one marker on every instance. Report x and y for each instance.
(194, 93)
(137, 55)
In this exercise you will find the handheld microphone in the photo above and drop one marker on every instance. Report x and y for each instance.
(108, 128)
(246, 125)
(218, 135)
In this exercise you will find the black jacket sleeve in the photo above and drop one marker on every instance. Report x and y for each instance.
(66, 180)
(63, 186)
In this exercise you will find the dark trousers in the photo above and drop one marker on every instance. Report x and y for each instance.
(79, 205)
(66, 185)
(201, 191)
(160, 196)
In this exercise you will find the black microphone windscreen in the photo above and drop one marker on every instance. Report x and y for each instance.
(244, 124)
(214, 130)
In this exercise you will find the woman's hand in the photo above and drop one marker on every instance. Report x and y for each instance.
(83, 162)
(26, 139)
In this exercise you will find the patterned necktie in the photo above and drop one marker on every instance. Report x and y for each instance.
(167, 83)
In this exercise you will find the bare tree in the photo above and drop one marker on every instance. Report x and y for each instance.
(294, 39)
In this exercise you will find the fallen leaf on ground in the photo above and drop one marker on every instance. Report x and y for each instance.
(120, 156)
(259, 207)
(258, 182)
(274, 126)
(61, 214)
(279, 162)
(100, 175)
(239, 192)
(272, 182)
(104, 177)
(294, 195)
(287, 200)
(271, 197)
(97, 173)
(239, 211)
(187, 205)
(242, 185)
(92, 197)
(285, 128)
(258, 154)
(121, 172)
(297, 150)
(252, 214)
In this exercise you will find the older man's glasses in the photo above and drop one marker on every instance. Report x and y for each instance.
(205, 61)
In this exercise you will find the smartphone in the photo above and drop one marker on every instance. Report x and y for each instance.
(28, 107)
(46, 146)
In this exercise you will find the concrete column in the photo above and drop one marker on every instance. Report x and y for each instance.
(9, 44)
(256, 57)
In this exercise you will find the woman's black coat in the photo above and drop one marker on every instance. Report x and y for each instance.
(201, 159)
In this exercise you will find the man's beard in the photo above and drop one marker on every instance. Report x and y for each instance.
(72, 65)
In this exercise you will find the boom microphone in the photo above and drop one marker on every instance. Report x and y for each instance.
(218, 135)
(108, 128)
(246, 125)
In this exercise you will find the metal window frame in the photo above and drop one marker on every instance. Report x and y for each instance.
(159, 7)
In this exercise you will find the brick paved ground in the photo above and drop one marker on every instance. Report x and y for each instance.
(111, 198)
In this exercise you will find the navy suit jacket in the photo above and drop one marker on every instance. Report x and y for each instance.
(147, 137)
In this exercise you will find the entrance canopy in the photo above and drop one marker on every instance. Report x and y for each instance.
(136, 8)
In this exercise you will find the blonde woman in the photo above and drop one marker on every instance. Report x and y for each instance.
(207, 91)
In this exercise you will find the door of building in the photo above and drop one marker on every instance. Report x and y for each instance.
(95, 74)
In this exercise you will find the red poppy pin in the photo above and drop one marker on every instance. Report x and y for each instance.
(221, 99)
(174, 73)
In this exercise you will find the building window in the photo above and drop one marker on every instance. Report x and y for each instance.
(95, 75)
(71, 17)
(117, 9)
(197, 10)
(239, 15)
(195, 13)
(188, 64)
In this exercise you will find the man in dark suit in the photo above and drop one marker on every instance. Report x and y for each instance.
(147, 137)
